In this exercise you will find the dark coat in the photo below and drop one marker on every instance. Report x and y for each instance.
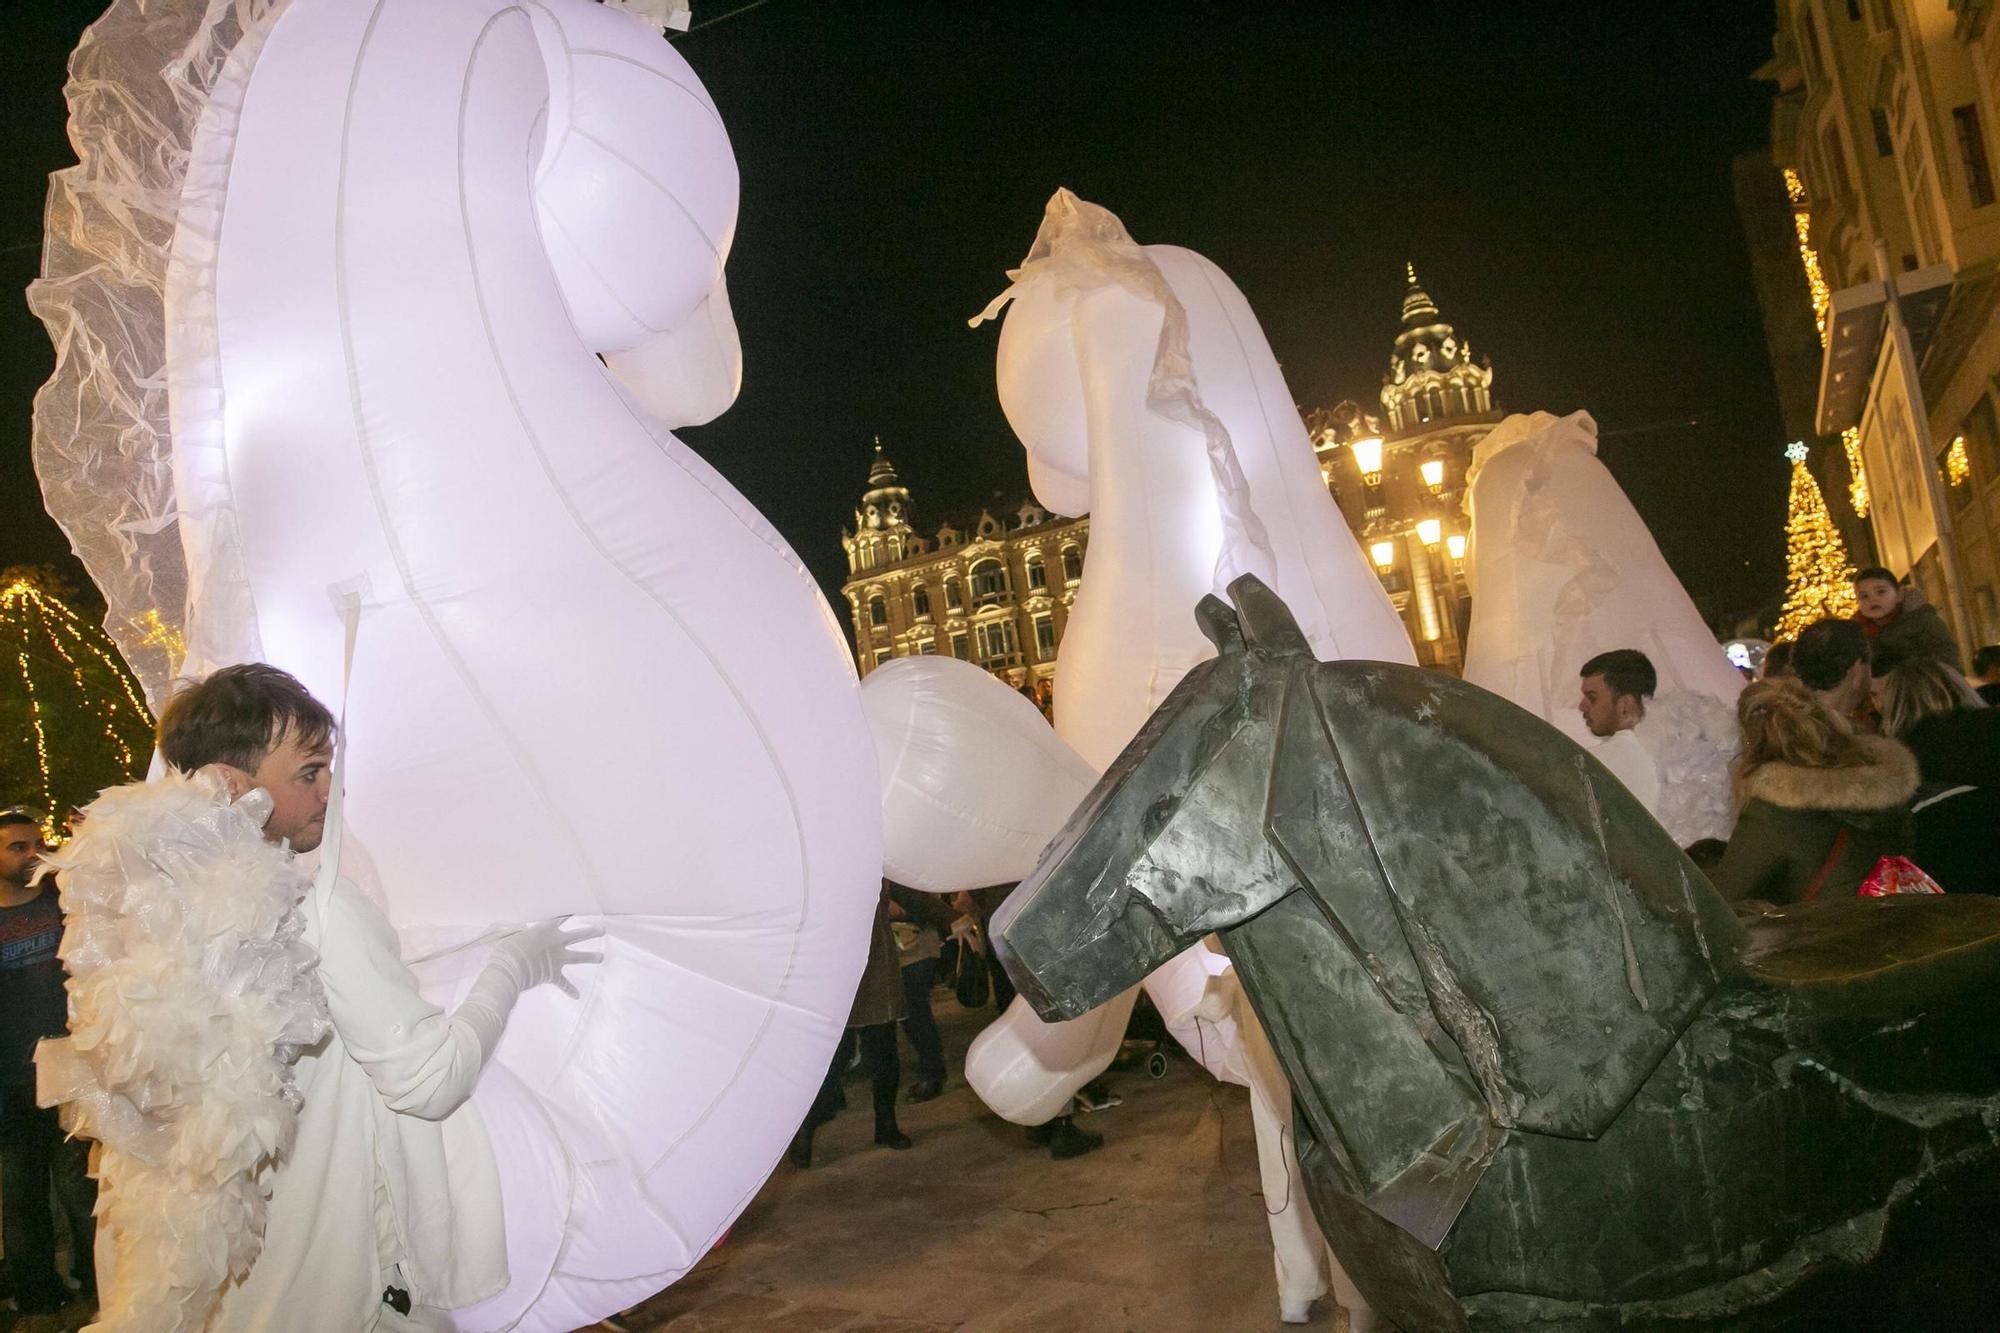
(1959, 747)
(879, 999)
(1958, 809)
(1793, 818)
(1913, 632)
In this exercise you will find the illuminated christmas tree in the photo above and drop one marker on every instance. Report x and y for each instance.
(72, 720)
(1819, 578)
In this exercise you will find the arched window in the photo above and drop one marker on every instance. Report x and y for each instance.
(989, 580)
(1038, 574)
(954, 594)
(878, 610)
(1072, 563)
(920, 602)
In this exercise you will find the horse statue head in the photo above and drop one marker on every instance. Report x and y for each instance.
(1452, 921)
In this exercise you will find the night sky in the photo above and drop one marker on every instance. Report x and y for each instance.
(1559, 175)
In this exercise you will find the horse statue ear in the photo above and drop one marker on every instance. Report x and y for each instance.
(1266, 620)
(1217, 620)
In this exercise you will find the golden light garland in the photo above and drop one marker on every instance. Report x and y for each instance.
(1957, 467)
(1822, 303)
(1822, 295)
(28, 614)
(1857, 477)
(1819, 578)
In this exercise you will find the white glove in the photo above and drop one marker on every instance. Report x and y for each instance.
(537, 954)
(533, 956)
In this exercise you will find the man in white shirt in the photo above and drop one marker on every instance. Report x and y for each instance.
(1673, 756)
(387, 1209)
(1616, 686)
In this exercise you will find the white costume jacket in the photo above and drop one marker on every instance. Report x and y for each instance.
(391, 1171)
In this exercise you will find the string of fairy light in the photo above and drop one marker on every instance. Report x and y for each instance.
(1822, 304)
(29, 615)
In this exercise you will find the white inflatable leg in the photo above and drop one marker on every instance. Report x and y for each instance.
(1297, 1247)
(1175, 989)
(1026, 1070)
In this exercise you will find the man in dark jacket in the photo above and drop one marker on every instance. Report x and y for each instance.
(1898, 624)
(35, 1159)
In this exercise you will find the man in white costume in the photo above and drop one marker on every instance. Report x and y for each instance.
(386, 1210)
(1616, 686)
(1674, 757)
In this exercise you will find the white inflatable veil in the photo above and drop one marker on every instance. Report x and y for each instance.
(1561, 568)
(588, 678)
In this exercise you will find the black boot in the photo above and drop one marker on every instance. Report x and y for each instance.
(1066, 1140)
(802, 1147)
(886, 1131)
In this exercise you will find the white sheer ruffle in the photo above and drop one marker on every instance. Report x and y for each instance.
(139, 81)
(191, 993)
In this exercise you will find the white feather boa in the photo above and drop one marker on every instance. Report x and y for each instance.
(190, 994)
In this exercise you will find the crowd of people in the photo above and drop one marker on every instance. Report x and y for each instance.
(1866, 761)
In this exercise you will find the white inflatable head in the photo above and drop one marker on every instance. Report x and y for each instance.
(636, 193)
(1145, 394)
(1561, 568)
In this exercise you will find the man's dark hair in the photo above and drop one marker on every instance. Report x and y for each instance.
(1873, 572)
(1625, 670)
(1827, 650)
(18, 814)
(237, 716)
(1986, 659)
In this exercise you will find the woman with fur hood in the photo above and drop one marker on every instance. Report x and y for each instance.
(1817, 804)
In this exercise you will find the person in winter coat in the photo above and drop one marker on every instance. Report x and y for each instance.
(920, 922)
(1899, 624)
(1956, 738)
(1817, 805)
(878, 1007)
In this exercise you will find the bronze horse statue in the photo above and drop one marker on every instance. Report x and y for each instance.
(1544, 1076)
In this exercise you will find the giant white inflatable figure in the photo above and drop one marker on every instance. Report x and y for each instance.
(1561, 568)
(1145, 395)
(441, 275)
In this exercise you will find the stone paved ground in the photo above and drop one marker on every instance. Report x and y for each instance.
(972, 1230)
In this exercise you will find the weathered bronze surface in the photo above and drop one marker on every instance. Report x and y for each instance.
(1544, 1077)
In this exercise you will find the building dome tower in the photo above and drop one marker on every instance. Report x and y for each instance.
(1432, 377)
(1400, 481)
(882, 532)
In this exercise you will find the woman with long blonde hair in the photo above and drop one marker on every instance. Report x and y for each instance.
(1818, 805)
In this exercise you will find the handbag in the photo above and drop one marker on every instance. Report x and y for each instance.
(969, 981)
(1894, 875)
(1890, 877)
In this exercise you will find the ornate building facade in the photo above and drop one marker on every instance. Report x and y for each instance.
(995, 591)
(1401, 488)
(1881, 136)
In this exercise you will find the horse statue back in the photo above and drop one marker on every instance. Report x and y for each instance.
(1543, 1074)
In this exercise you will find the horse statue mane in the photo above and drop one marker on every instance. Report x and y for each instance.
(1500, 991)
